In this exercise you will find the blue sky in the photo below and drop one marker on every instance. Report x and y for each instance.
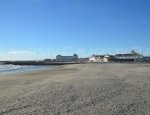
(37, 29)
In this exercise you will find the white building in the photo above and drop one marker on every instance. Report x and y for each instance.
(129, 57)
(101, 58)
(106, 58)
(60, 58)
(96, 58)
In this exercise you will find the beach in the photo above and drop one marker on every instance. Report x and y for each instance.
(79, 89)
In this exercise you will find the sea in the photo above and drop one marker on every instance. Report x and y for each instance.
(9, 69)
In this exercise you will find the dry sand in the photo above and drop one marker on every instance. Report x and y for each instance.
(89, 89)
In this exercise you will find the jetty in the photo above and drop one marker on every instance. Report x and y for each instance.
(38, 63)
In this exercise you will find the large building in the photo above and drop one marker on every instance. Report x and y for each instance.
(129, 57)
(60, 58)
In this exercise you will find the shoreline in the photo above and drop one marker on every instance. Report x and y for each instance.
(12, 69)
(78, 89)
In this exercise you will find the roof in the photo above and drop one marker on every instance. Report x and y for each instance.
(125, 55)
(133, 53)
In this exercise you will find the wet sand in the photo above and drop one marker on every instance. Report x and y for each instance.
(88, 89)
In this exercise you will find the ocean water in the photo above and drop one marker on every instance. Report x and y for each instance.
(8, 69)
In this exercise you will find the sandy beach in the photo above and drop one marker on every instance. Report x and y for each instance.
(81, 89)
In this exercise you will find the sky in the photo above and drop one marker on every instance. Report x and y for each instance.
(38, 29)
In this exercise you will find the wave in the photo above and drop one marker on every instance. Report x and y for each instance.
(5, 68)
(8, 69)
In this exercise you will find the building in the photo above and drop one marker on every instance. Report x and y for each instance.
(102, 58)
(129, 57)
(109, 58)
(60, 58)
(146, 59)
(96, 58)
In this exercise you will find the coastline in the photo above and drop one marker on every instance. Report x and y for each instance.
(12, 69)
(78, 89)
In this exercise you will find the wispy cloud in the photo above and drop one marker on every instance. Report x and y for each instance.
(20, 52)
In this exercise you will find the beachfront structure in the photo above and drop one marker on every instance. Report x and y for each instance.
(109, 58)
(96, 58)
(146, 59)
(60, 58)
(101, 58)
(129, 57)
